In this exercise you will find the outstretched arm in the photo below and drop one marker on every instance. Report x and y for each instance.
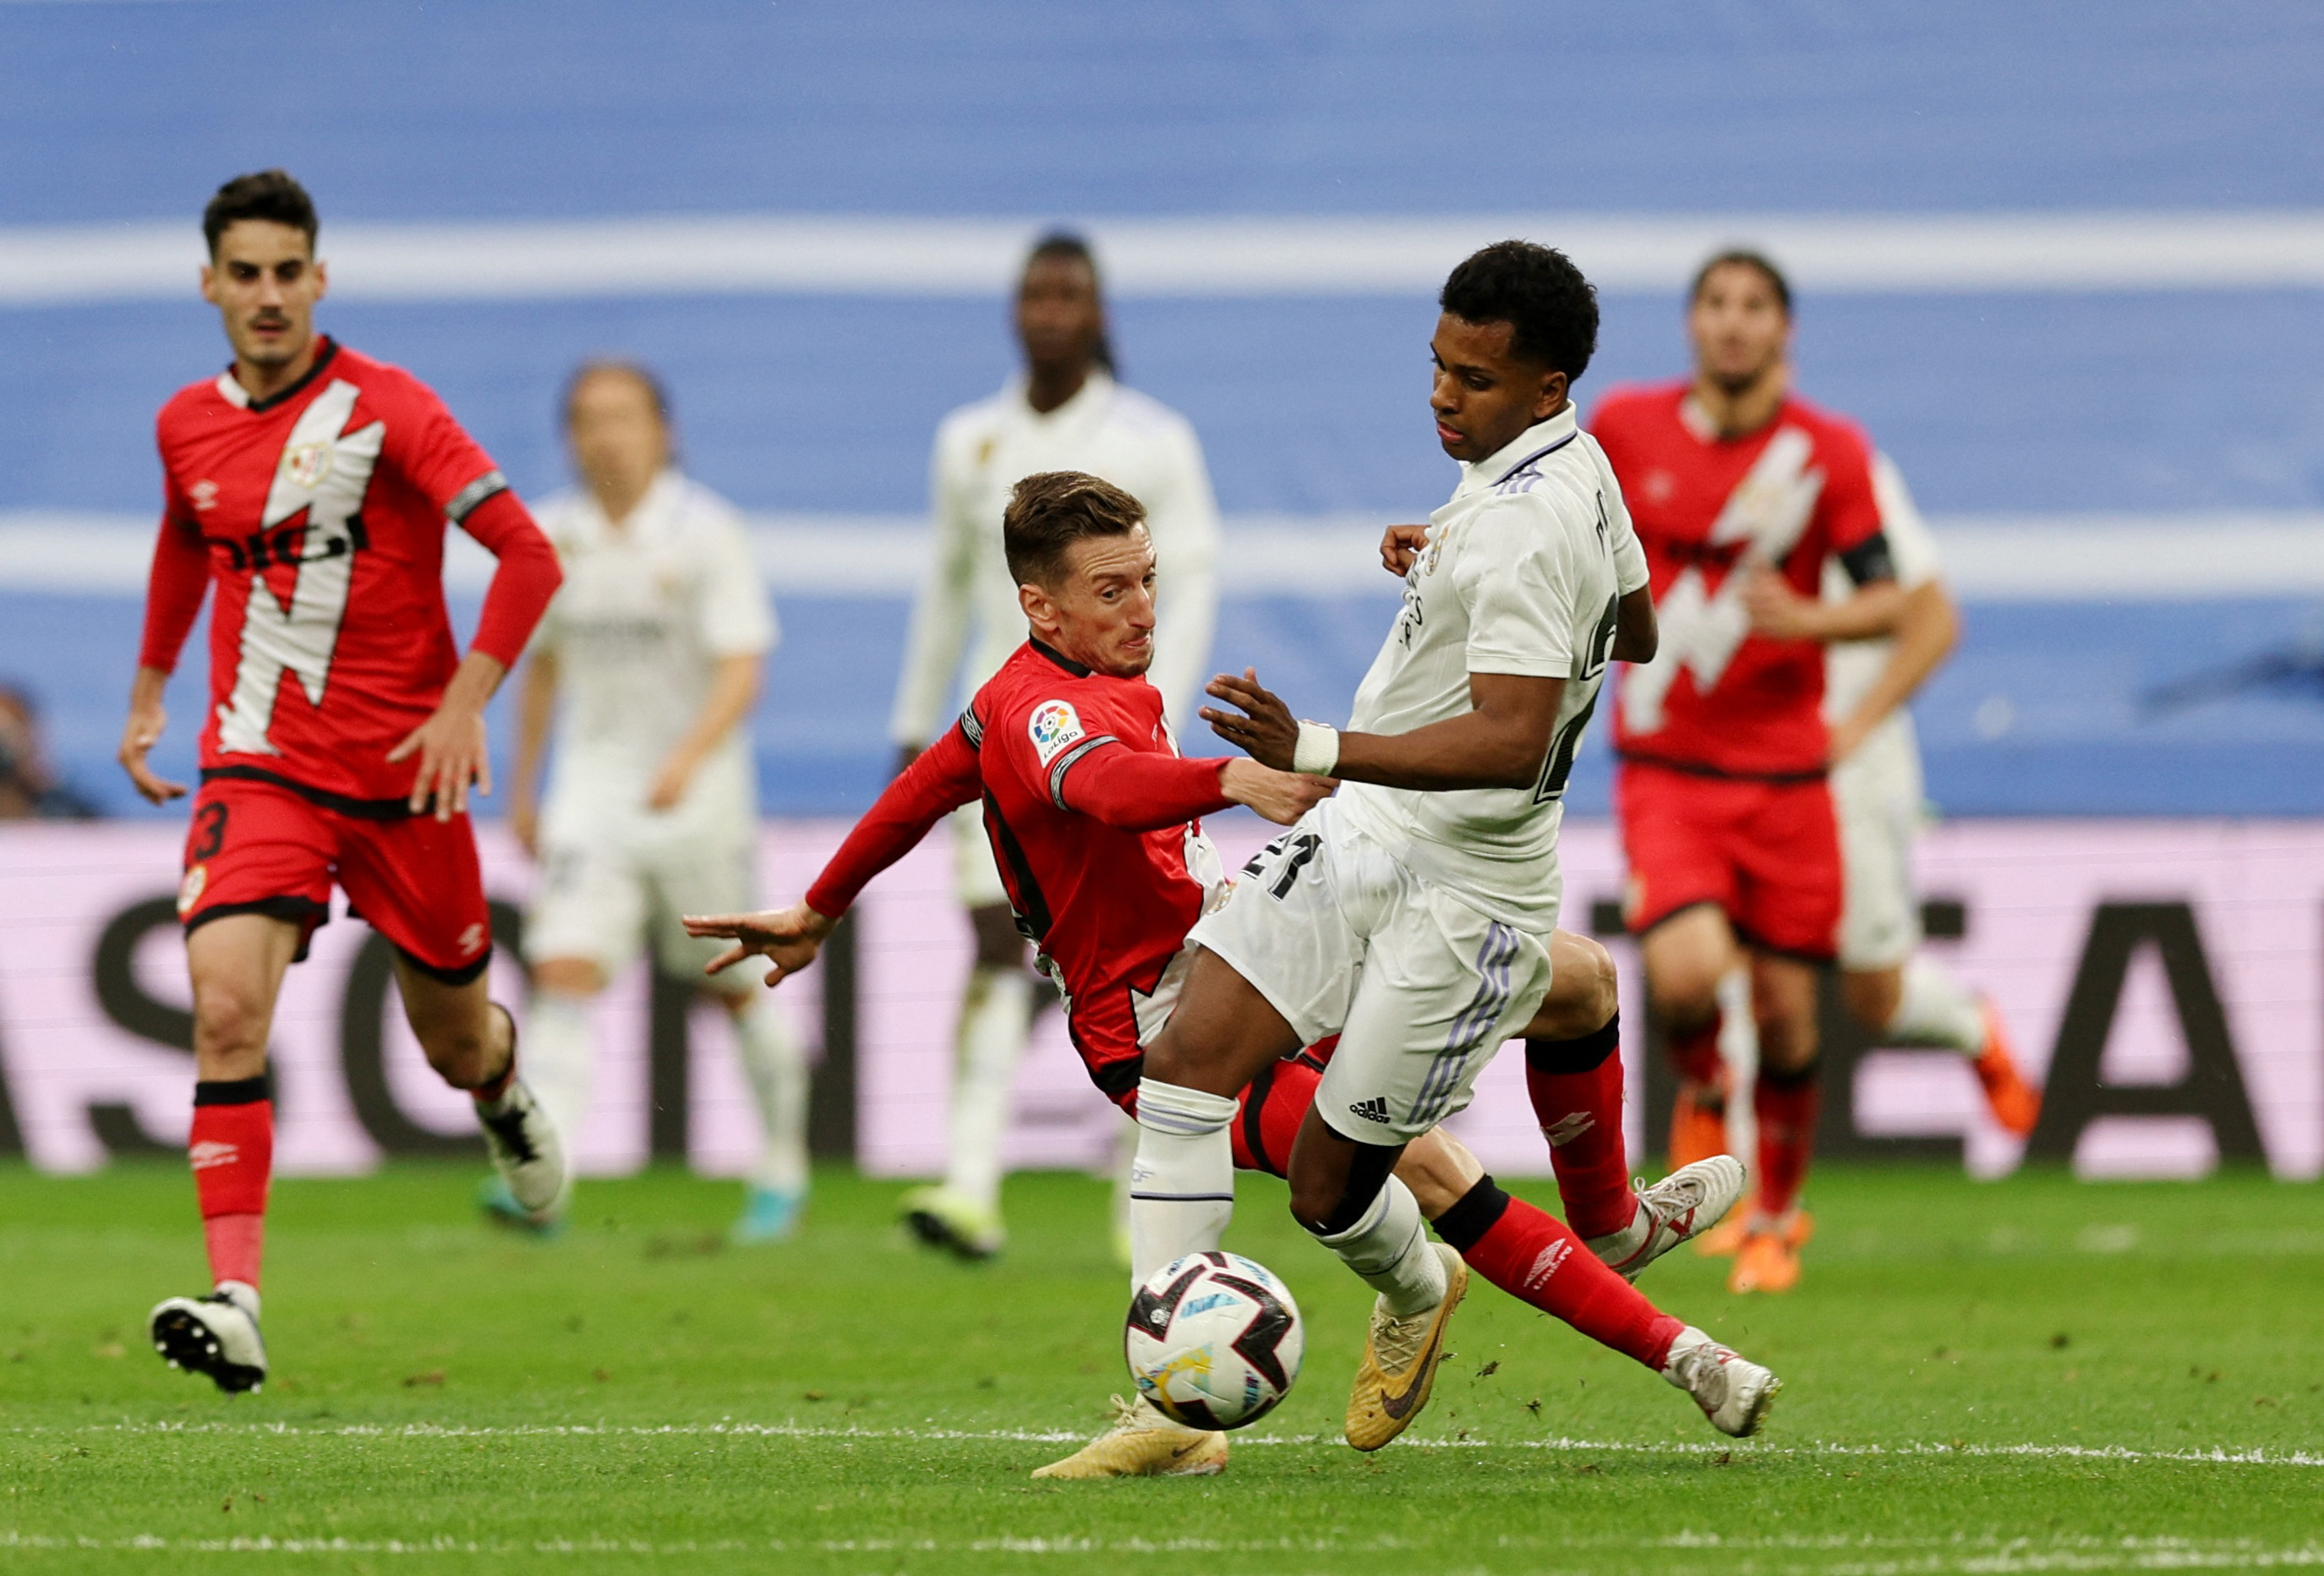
(946, 776)
(1501, 742)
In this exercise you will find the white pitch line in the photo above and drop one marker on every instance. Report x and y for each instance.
(2216, 1456)
(1194, 255)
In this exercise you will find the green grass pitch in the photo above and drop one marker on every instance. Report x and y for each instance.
(2033, 1375)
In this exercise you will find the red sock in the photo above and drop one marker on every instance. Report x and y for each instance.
(1786, 1106)
(1270, 1114)
(1695, 1053)
(232, 1152)
(1533, 1256)
(1577, 1096)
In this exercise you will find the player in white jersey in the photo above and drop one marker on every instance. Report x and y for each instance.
(1411, 914)
(651, 658)
(1065, 413)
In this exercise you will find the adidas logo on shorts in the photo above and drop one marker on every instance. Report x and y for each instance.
(1374, 1110)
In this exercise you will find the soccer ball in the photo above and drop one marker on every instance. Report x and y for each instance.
(1214, 1341)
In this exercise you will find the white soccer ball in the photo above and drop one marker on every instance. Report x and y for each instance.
(1214, 1341)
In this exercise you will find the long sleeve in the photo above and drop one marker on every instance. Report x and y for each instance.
(947, 776)
(1184, 524)
(939, 631)
(526, 578)
(1134, 790)
(174, 587)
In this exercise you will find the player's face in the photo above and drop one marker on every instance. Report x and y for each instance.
(1485, 393)
(1101, 613)
(618, 437)
(1059, 314)
(1738, 326)
(264, 281)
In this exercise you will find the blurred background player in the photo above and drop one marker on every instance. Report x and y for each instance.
(1900, 996)
(30, 788)
(1063, 412)
(311, 486)
(1740, 492)
(651, 657)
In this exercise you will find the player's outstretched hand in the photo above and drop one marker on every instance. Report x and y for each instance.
(789, 938)
(1282, 797)
(452, 753)
(1263, 729)
(146, 721)
(1400, 545)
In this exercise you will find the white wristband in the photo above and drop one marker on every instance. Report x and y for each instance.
(1318, 750)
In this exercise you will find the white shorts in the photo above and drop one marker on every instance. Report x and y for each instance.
(974, 877)
(1876, 794)
(1341, 938)
(597, 902)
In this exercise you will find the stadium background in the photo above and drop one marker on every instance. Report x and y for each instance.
(2067, 275)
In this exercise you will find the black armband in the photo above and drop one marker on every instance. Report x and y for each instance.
(1869, 560)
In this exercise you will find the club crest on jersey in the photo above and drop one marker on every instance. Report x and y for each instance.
(304, 465)
(1055, 727)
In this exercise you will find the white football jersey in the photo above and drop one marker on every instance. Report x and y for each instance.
(1851, 667)
(982, 451)
(1522, 574)
(647, 610)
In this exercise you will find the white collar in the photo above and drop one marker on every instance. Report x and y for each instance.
(653, 505)
(1530, 444)
(232, 392)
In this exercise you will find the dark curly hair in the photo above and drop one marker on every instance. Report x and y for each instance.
(270, 193)
(1551, 309)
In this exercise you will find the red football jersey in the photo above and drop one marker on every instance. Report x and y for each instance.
(1094, 818)
(322, 512)
(1718, 698)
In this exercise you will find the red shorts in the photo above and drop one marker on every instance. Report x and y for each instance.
(264, 848)
(1765, 854)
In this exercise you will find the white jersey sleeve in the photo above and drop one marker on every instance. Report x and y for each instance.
(1630, 572)
(940, 613)
(1910, 548)
(1183, 518)
(736, 618)
(1515, 578)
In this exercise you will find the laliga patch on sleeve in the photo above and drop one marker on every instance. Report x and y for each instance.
(1055, 727)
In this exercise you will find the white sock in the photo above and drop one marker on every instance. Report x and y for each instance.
(1388, 1250)
(557, 1059)
(1122, 1160)
(775, 1063)
(1935, 1010)
(1182, 1183)
(994, 1016)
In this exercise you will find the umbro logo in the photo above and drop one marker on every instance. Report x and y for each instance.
(1374, 1110)
(209, 1152)
(1547, 1263)
(1568, 1127)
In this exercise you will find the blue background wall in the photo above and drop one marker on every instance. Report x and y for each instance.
(2165, 402)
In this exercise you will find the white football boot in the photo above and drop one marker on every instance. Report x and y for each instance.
(1688, 1202)
(525, 1148)
(215, 1335)
(1143, 1444)
(1733, 1392)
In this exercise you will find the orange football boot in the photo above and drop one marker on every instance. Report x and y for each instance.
(1768, 1261)
(2016, 1104)
(1698, 1126)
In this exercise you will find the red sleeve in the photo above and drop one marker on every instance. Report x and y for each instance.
(173, 593)
(1134, 790)
(526, 577)
(947, 776)
(1851, 517)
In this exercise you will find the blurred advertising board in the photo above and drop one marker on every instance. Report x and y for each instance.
(2165, 977)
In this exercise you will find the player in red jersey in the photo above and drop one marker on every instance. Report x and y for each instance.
(1740, 492)
(1094, 821)
(311, 487)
